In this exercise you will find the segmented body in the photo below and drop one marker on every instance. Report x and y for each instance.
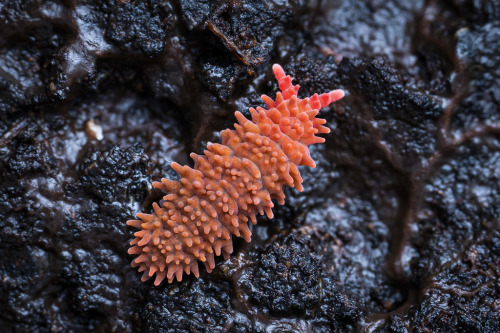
(229, 185)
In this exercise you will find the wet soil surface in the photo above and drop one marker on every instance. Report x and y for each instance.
(397, 229)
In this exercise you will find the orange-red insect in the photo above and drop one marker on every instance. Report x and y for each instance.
(229, 185)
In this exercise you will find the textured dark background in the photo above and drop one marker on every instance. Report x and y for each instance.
(397, 229)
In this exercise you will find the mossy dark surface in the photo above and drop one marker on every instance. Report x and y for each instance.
(398, 226)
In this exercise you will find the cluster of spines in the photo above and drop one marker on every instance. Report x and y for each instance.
(229, 185)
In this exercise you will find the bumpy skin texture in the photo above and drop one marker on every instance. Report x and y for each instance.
(229, 185)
